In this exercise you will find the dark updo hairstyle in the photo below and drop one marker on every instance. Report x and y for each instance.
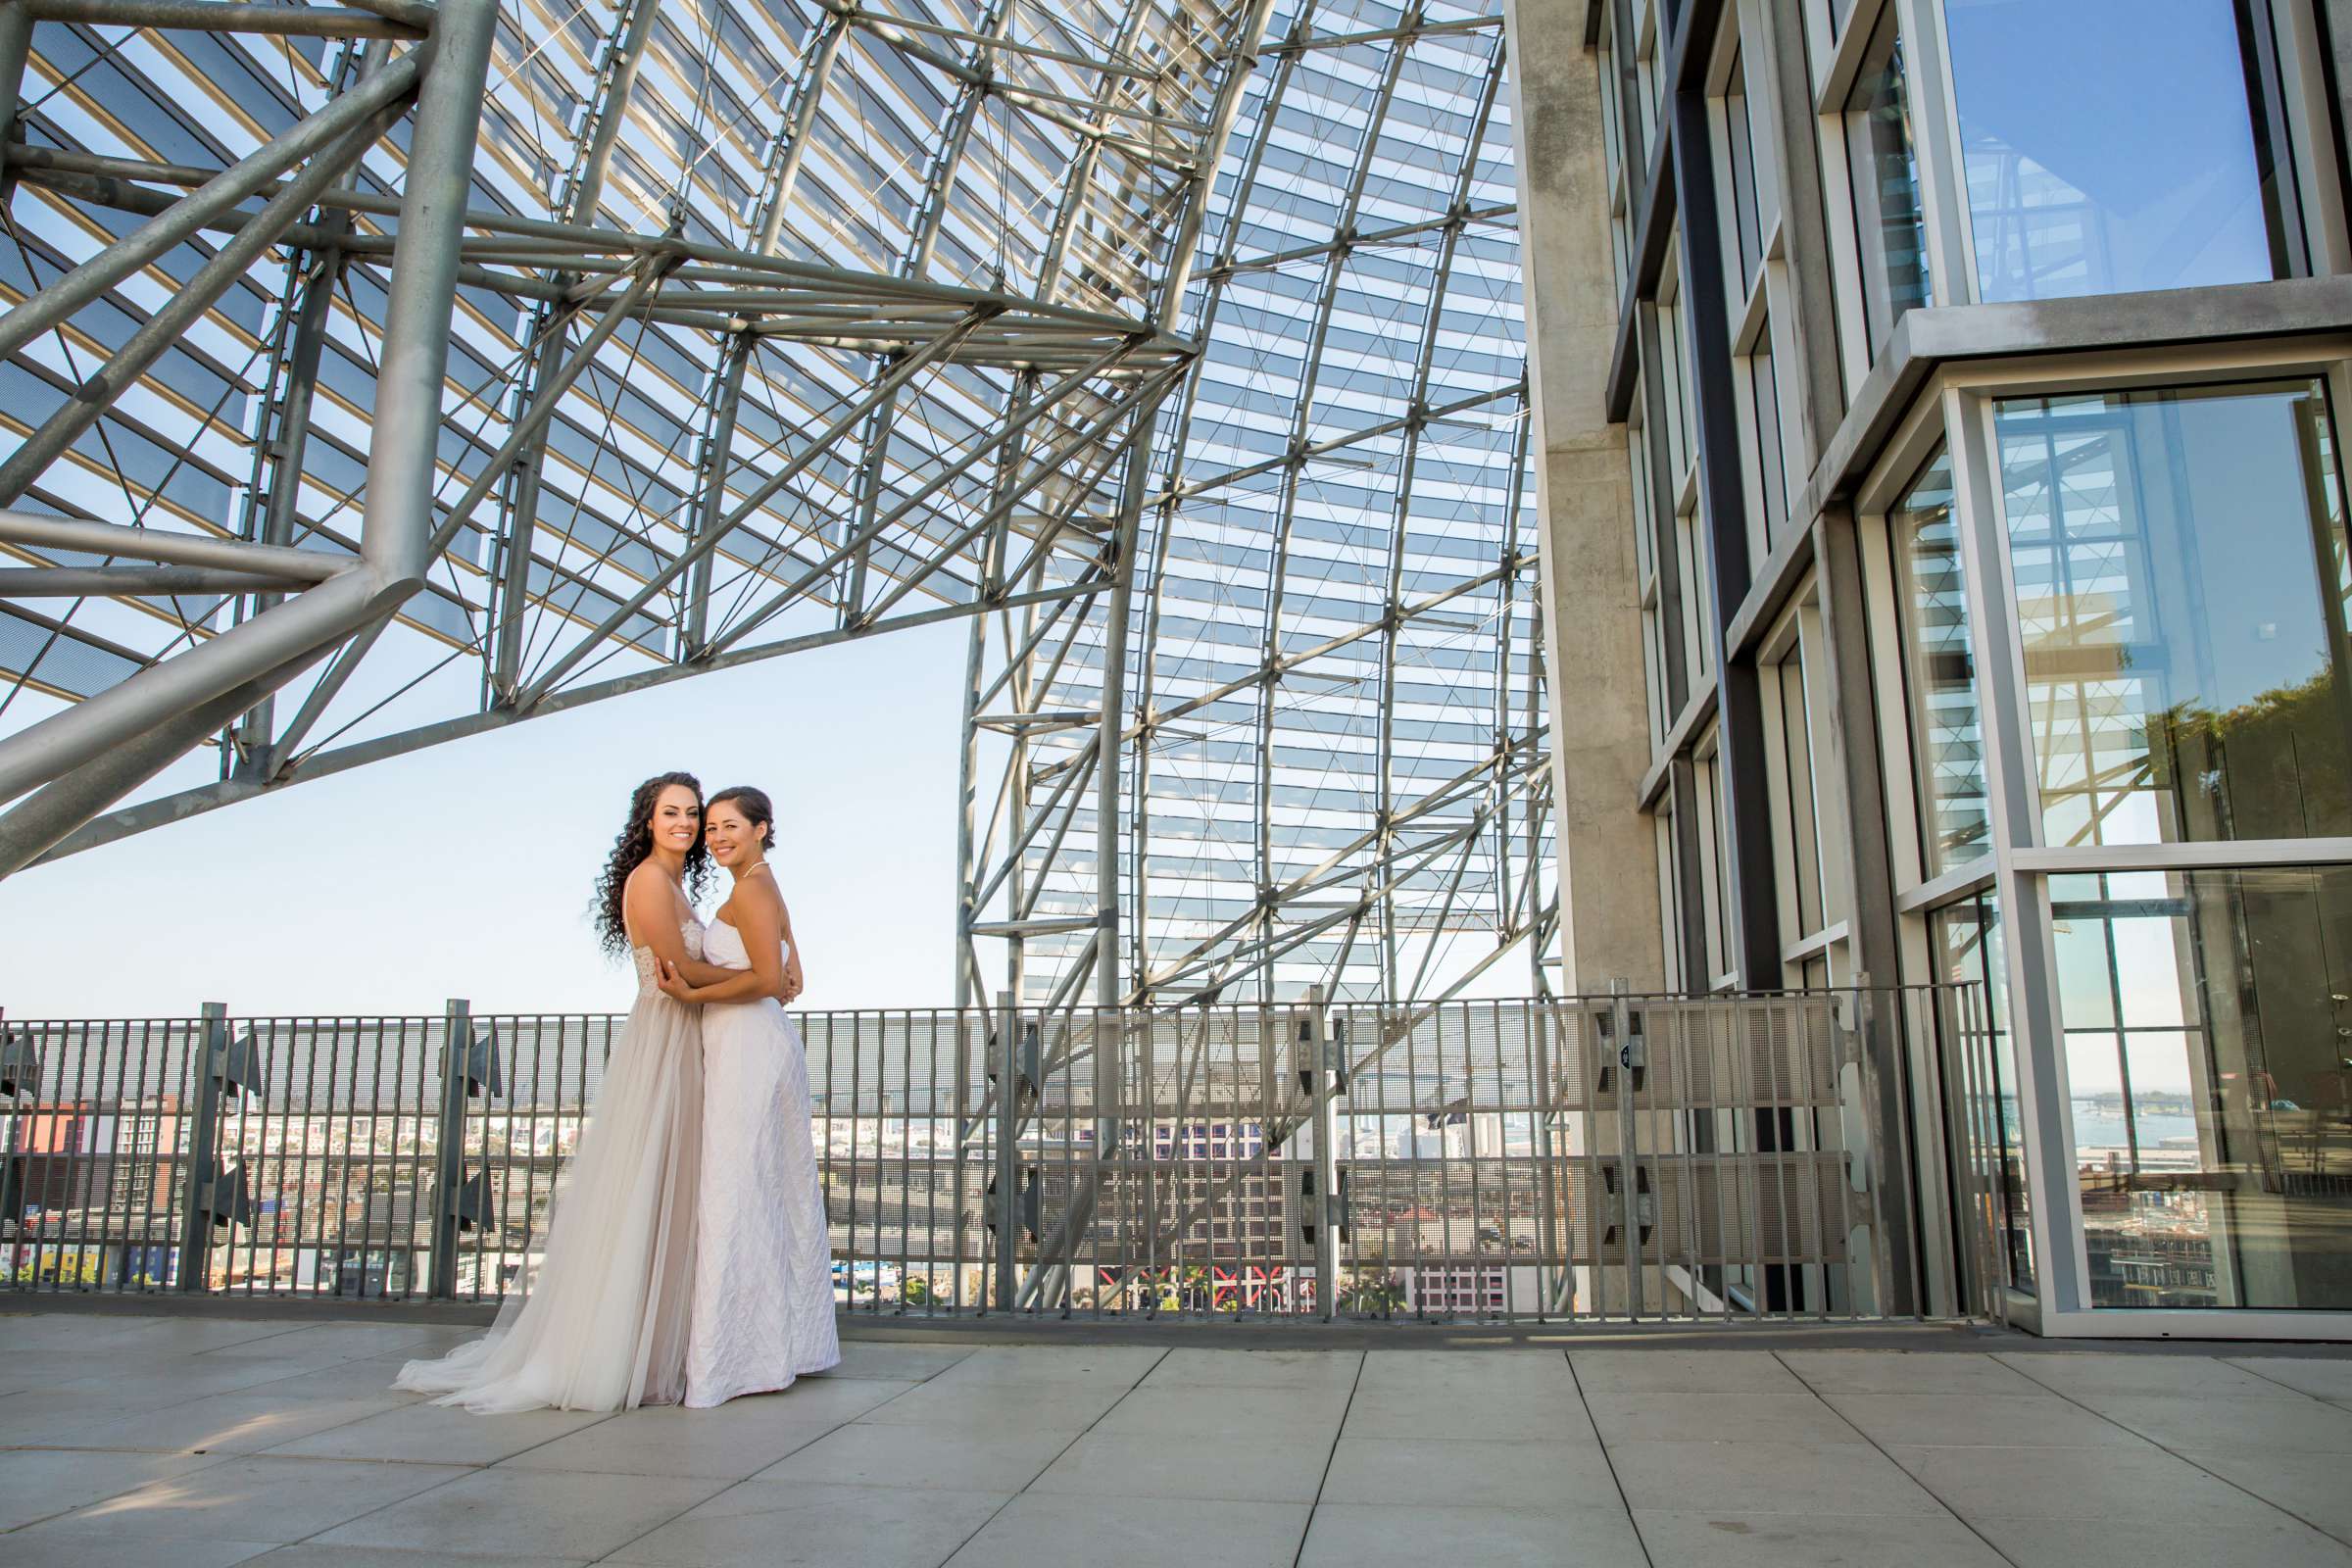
(755, 810)
(629, 850)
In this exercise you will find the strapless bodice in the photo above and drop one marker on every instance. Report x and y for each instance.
(648, 975)
(722, 945)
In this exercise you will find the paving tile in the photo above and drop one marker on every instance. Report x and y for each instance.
(2277, 1542)
(53, 1418)
(1189, 1369)
(1052, 1529)
(2320, 1377)
(247, 1421)
(1419, 1370)
(528, 1512)
(186, 1336)
(1813, 1478)
(733, 1442)
(2287, 1420)
(1350, 1534)
(440, 1434)
(1091, 1366)
(1980, 1420)
(250, 1498)
(150, 1384)
(1664, 1371)
(1059, 1408)
(1178, 1413)
(1434, 1377)
(1231, 1468)
(892, 1362)
(371, 1374)
(33, 1549)
(1545, 1413)
(1798, 1417)
(326, 1344)
(388, 1557)
(35, 1484)
(1693, 1539)
(22, 1332)
(787, 1524)
(45, 1367)
(922, 1458)
(1499, 1473)
(2310, 1485)
(2079, 1372)
(1906, 1372)
(2127, 1484)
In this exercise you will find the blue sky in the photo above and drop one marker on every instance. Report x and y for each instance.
(464, 871)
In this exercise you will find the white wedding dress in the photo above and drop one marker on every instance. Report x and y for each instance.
(764, 1269)
(604, 1321)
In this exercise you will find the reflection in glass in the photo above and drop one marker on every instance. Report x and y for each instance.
(1968, 945)
(1888, 224)
(1802, 852)
(1950, 746)
(1611, 103)
(1747, 229)
(2206, 1015)
(2109, 146)
(1764, 407)
(2179, 570)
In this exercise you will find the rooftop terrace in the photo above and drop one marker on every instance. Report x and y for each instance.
(203, 1441)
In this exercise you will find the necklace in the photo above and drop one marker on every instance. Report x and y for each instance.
(757, 865)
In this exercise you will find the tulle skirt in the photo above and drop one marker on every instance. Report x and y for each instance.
(604, 1321)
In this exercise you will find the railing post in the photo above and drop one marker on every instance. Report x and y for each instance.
(1326, 1211)
(1007, 1195)
(196, 1176)
(1629, 1160)
(448, 1150)
(1880, 1044)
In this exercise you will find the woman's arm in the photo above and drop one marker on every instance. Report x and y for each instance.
(758, 919)
(794, 981)
(698, 972)
(651, 904)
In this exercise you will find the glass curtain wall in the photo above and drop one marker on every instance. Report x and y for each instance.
(1888, 227)
(2178, 566)
(1946, 723)
(2205, 1015)
(2177, 557)
(2114, 145)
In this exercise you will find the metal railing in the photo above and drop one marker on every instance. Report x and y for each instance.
(1604, 1158)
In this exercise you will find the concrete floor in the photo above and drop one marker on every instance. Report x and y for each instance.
(199, 1442)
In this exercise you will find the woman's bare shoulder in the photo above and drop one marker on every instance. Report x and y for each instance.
(762, 892)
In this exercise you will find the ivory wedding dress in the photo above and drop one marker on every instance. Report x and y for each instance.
(763, 1262)
(604, 1325)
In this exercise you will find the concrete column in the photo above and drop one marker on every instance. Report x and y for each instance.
(1591, 587)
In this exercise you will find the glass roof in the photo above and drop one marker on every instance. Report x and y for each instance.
(842, 320)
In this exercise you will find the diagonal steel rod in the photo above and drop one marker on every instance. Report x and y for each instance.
(220, 194)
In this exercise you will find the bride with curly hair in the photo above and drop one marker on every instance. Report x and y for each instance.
(603, 1323)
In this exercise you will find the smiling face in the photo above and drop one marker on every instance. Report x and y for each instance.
(678, 819)
(733, 840)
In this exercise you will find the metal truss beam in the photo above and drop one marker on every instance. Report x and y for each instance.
(541, 609)
(915, 335)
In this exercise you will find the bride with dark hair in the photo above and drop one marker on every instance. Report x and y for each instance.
(763, 1273)
(602, 1323)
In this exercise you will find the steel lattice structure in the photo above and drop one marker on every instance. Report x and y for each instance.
(380, 376)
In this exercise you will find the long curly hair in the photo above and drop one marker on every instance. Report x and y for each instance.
(629, 850)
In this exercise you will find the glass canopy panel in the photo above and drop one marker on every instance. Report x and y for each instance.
(1349, 447)
(777, 324)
